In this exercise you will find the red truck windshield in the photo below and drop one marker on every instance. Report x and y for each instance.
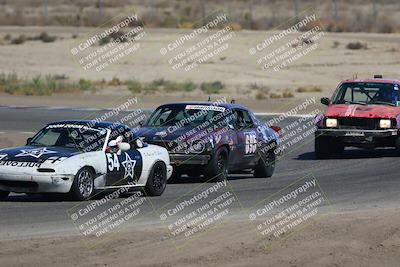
(367, 93)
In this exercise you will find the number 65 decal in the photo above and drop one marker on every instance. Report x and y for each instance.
(113, 162)
(251, 143)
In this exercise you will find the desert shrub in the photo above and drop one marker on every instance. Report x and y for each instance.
(134, 86)
(45, 38)
(260, 95)
(287, 94)
(189, 86)
(9, 83)
(335, 44)
(170, 22)
(160, 82)
(115, 82)
(119, 35)
(385, 25)
(275, 95)
(356, 46)
(172, 87)
(38, 85)
(84, 85)
(310, 89)
(105, 40)
(19, 40)
(150, 88)
(212, 88)
(259, 87)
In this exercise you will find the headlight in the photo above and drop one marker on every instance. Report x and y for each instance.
(331, 123)
(197, 146)
(385, 124)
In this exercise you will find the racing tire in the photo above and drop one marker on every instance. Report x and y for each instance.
(157, 180)
(325, 147)
(217, 169)
(175, 177)
(4, 194)
(322, 148)
(83, 186)
(266, 165)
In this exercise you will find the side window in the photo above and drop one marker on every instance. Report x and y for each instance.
(163, 117)
(247, 120)
(243, 119)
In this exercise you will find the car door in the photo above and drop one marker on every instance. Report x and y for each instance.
(123, 168)
(247, 138)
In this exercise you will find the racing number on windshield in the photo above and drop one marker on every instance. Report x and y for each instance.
(251, 143)
(113, 162)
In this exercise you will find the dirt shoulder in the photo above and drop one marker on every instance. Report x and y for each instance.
(368, 238)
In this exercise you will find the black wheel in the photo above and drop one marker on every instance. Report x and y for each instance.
(266, 165)
(175, 177)
(325, 147)
(83, 186)
(4, 194)
(217, 168)
(157, 180)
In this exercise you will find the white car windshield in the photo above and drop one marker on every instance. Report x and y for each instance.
(71, 136)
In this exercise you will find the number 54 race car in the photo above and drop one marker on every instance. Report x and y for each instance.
(81, 157)
(212, 139)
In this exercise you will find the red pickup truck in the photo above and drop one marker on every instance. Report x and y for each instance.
(362, 113)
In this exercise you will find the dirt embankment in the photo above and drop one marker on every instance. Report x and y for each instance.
(368, 238)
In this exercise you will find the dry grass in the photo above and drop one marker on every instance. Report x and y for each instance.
(345, 16)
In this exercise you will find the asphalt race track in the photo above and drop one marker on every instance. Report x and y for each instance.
(358, 180)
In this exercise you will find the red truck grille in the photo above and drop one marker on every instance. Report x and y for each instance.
(358, 123)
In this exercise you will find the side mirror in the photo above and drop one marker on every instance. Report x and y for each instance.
(326, 101)
(230, 126)
(29, 140)
(141, 123)
(124, 146)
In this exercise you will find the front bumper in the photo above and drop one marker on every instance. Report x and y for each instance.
(169, 171)
(189, 159)
(358, 133)
(36, 183)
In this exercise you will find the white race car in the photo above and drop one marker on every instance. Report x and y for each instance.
(82, 157)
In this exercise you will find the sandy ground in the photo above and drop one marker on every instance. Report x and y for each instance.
(368, 238)
(323, 67)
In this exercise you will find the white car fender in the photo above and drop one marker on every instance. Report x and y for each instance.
(72, 165)
(150, 155)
